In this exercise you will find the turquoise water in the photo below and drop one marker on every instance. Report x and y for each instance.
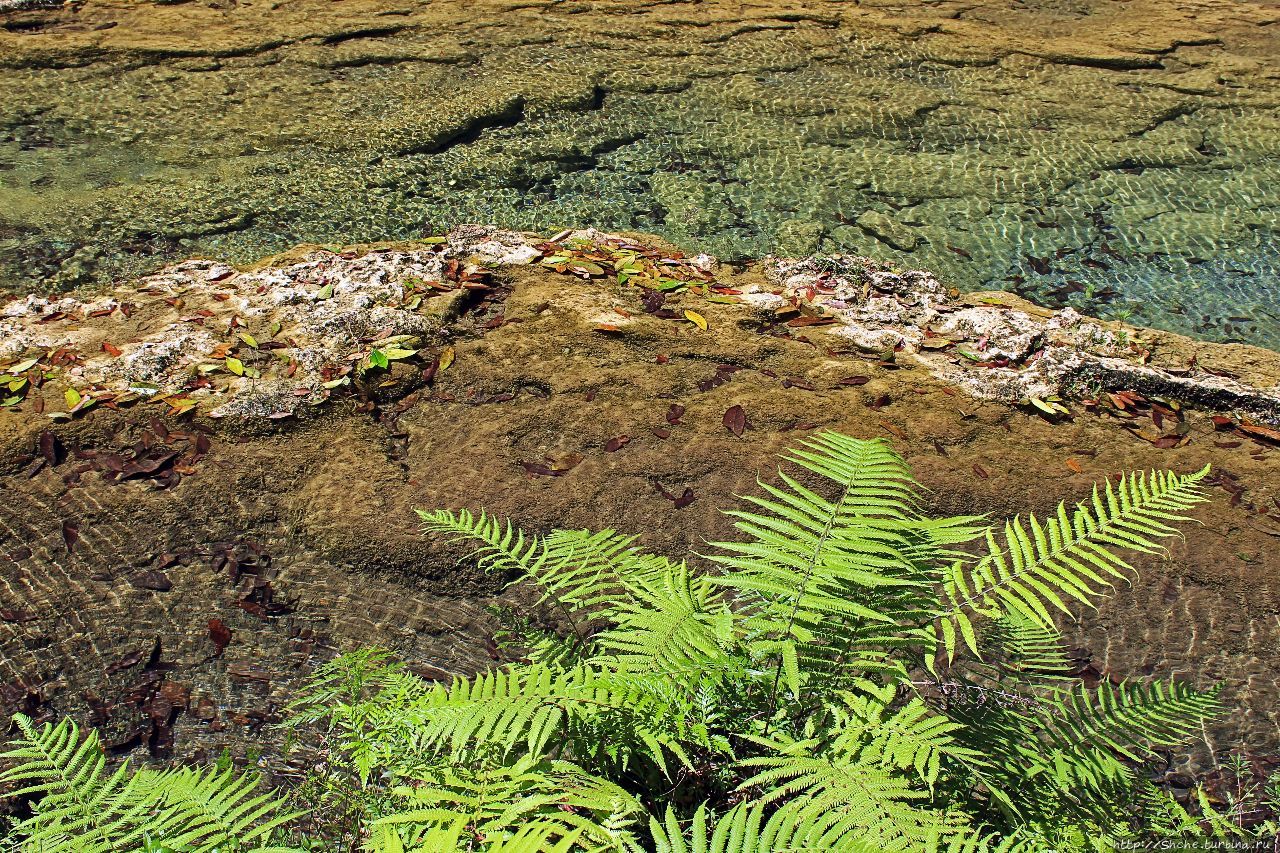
(1128, 175)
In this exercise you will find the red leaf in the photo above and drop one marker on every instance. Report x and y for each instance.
(616, 443)
(980, 471)
(111, 349)
(675, 413)
(879, 402)
(810, 321)
(661, 433)
(735, 420)
(70, 535)
(685, 499)
(896, 430)
(855, 380)
(220, 634)
(1259, 431)
(49, 446)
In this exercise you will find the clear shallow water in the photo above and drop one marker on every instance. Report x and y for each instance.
(1123, 158)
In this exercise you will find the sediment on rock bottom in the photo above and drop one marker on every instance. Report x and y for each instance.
(209, 475)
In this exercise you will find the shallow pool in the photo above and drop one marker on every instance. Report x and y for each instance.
(1120, 157)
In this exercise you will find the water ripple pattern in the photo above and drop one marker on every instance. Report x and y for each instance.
(1123, 158)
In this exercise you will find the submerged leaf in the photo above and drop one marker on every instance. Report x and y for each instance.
(735, 420)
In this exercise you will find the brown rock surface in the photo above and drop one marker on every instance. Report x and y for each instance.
(298, 534)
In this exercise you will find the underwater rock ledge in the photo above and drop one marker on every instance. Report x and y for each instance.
(212, 449)
(282, 337)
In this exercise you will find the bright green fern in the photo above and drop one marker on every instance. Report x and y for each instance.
(848, 674)
(80, 807)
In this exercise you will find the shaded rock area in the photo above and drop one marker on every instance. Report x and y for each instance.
(171, 570)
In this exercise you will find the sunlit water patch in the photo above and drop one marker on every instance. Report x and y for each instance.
(1125, 161)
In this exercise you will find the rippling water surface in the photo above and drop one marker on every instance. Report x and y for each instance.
(1123, 157)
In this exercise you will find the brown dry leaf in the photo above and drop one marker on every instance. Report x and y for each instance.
(1258, 431)
(980, 471)
(70, 535)
(896, 430)
(675, 413)
(112, 349)
(220, 634)
(735, 420)
(616, 443)
(1075, 466)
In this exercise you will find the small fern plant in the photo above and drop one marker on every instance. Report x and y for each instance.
(847, 674)
(81, 807)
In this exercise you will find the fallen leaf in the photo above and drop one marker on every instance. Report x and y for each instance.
(661, 433)
(800, 322)
(855, 380)
(675, 413)
(153, 580)
(879, 403)
(220, 634)
(896, 430)
(616, 443)
(696, 319)
(1075, 466)
(70, 535)
(1258, 431)
(49, 446)
(980, 471)
(112, 349)
(446, 358)
(735, 420)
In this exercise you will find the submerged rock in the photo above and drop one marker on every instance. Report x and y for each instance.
(235, 549)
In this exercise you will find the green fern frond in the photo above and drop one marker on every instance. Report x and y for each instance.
(1129, 718)
(494, 801)
(832, 585)
(837, 793)
(214, 810)
(83, 809)
(677, 624)
(910, 736)
(751, 828)
(532, 838)
(1033, 569)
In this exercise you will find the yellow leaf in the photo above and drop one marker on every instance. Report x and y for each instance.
(236, 366)
(72, 396)
(446, 358)
(696, 319)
